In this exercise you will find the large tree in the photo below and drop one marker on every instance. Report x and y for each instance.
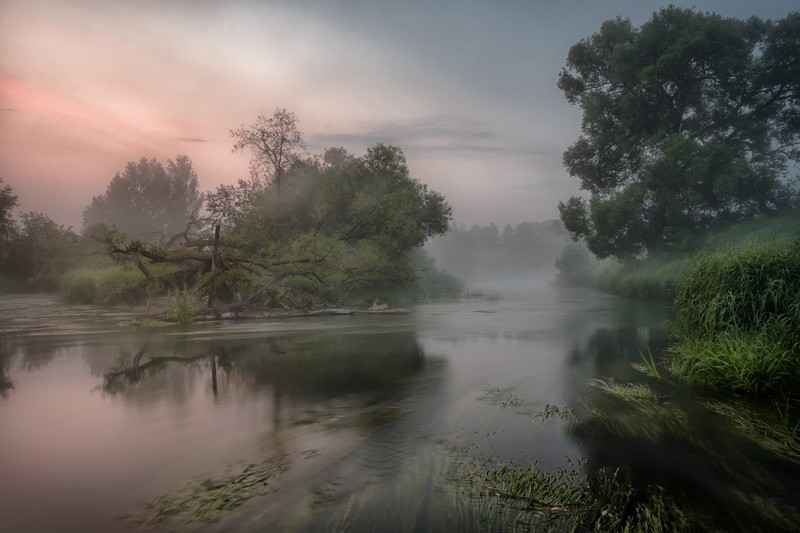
(147, 201)
(689, 121)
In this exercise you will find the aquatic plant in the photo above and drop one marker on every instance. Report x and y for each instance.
(776, 431)
(635, 410)
(648, 365)
(569, 499)
(554, 411)
(208, 500)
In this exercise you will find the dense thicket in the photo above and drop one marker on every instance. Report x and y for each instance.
(332, 228)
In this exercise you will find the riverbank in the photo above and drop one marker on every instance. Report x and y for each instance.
(659, 277)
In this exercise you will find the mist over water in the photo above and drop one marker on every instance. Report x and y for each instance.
(369, 410)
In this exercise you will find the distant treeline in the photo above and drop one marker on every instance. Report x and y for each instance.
(489, 252)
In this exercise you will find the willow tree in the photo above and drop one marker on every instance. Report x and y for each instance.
(689, 121)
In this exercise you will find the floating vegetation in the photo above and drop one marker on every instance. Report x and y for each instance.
(554, 411)
(208, 500)
(627, 391)
(496, 396)
(648, 365)
(529, 498)
(640, 412)
(776, 433)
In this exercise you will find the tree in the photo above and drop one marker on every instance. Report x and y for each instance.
(147, 201)
(274, 144)
(688, 122)
(342, 224)
(41, 250)
(8, 201)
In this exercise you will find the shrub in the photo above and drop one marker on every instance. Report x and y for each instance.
(575, 265)
(181, 306)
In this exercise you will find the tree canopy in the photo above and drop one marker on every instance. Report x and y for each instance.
(689, 121)
(147, 201)
(340, 223)
(337, 227)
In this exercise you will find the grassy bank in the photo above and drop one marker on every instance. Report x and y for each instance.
(659, 276)
(737, 319)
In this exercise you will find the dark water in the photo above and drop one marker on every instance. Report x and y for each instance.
(366, 413)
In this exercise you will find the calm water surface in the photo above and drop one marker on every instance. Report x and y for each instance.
(365, 412)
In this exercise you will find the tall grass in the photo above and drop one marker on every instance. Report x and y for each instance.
(98, 286)
(737, 319)
(659, 276)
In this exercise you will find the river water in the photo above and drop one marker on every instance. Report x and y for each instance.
(362, 415)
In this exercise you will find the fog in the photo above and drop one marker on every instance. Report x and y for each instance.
(506, 261)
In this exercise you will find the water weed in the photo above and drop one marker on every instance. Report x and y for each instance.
(209, 500)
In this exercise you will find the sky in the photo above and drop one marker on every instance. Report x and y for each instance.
(466, 88)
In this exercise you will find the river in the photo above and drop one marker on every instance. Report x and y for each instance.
(359, 418)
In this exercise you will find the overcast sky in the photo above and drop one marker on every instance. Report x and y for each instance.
(467, 88)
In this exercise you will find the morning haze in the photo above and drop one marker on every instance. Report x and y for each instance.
(399, 266)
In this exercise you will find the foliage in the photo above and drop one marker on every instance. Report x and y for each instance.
(567, 500)
(575, 265)
(181, 306)
(659, 276)
(689, 121)
(41, 250)
(8, 227)
(147, 201)
(209, 500)
(119, 283)
(342, 223)
(737, 319)
(654, 278)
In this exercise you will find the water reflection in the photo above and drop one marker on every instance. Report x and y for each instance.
(666, 435)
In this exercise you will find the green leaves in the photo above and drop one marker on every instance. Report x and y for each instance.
(700, 110)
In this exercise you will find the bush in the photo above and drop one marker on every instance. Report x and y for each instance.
(737, 319)
(78, 287)
(181, 306)
(575, 265)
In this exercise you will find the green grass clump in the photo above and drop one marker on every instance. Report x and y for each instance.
(211, 499)
(181, 306)
(656, 278)
(99, 286)
(659, 275)
(737, 319)
(568, 500)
